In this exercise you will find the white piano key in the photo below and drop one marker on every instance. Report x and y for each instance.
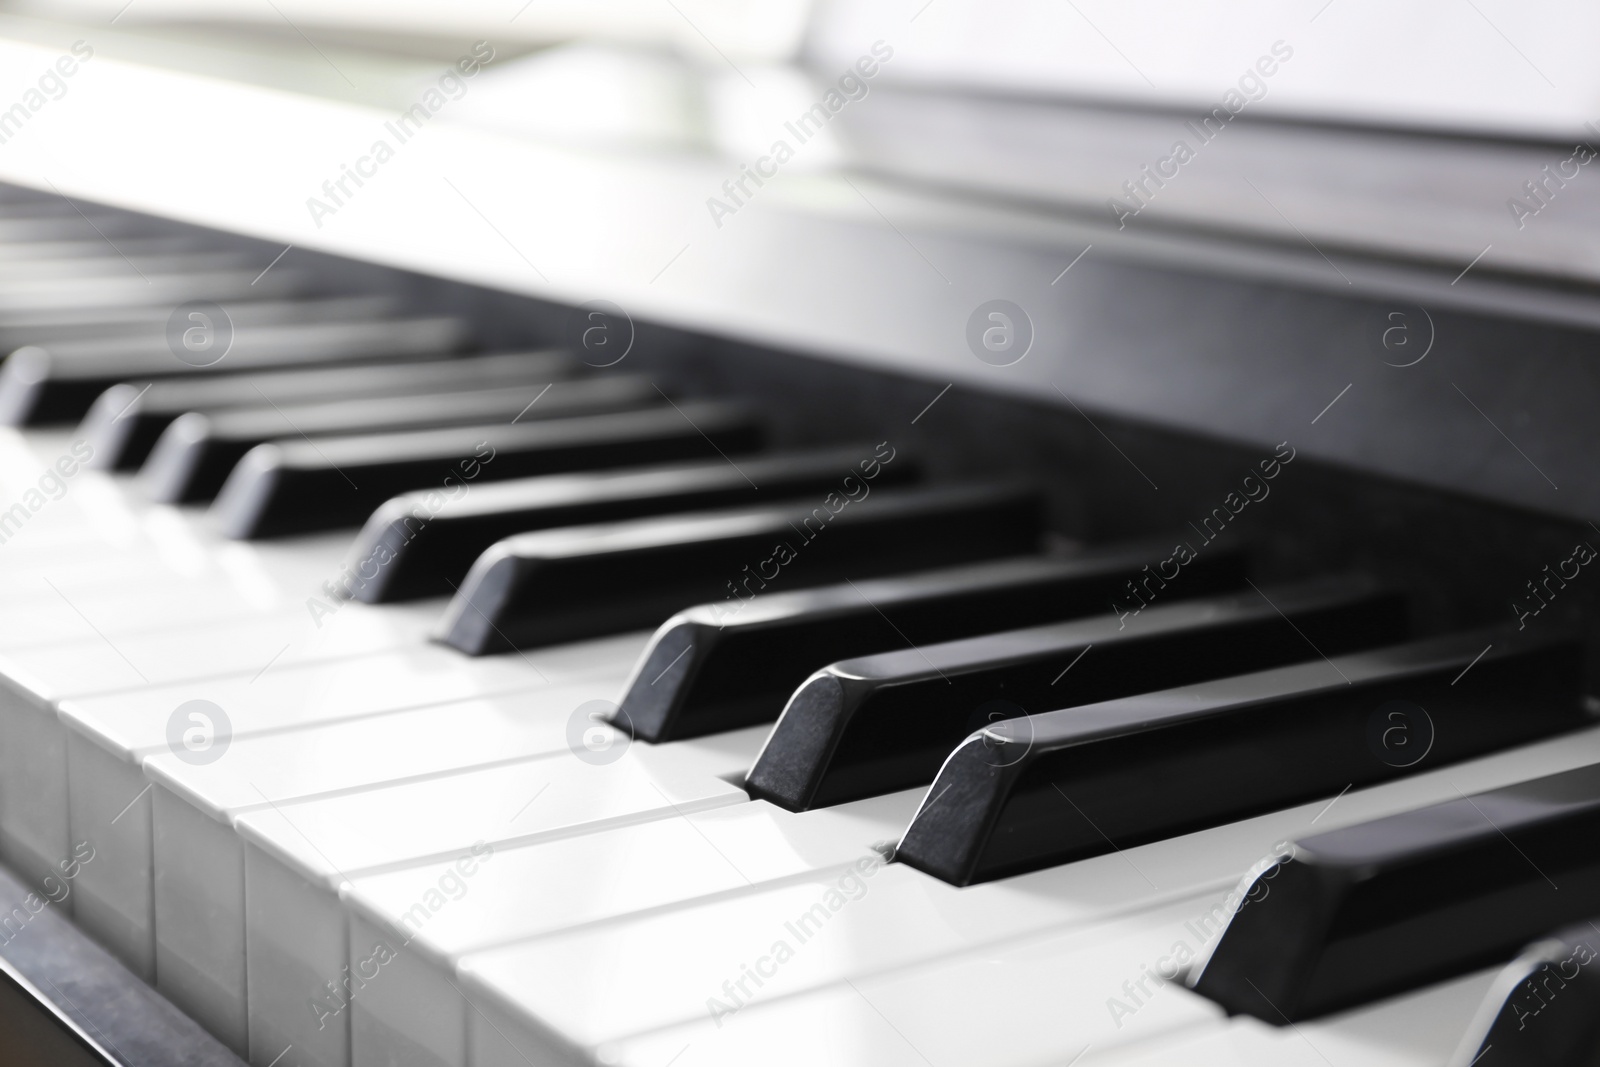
(169, 556)
(33, 681)
(264, 770)
(658, 969)
(77, 592)
(109, 738)
(1049, 999)
(297, 856)
(1417, 1029)
(50, 619)
(414, 1011)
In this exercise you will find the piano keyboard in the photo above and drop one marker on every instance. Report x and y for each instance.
(481, 709)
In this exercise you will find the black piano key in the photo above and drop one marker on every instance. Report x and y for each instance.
(126, 419)
(412, 548)
(64, 254)
(59, 384)
(298, 486)
(1543, 1009)
(34, 227)
(1065, 785)
(711, 668)
(140, 333)
(1372, 910)
(583, 581)
(126, 288)
(881, 723)
(194, 455)
(72, 268)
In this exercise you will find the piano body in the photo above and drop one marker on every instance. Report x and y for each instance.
(484, 596)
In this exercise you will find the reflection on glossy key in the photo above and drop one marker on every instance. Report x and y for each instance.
(1378, 908)
(194, 455)
(124, 423)
(296, 486)
(1543, 1009)
(582, 581)
(709, 669)
(887, 722)
(1045, 996)
(420, 545)
(1051, 788)
(59, 384)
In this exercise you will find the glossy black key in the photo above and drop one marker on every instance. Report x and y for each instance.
(47, 266)
(1543, 1009)
(1065, 785)
(93, 333)
(125, 287)
(297, 486)
(881, 723)
(33, 226)
(137, 249)
(583, 581)
(124, 423)
(417, 546)
(1372, 910)
(60, 384)
(193, 457)
(730, 664)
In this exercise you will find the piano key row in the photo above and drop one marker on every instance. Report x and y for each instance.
(266, 866)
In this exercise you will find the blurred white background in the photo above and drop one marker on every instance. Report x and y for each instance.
(1476, 65)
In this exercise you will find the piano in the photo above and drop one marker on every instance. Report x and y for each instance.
(512, 597)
